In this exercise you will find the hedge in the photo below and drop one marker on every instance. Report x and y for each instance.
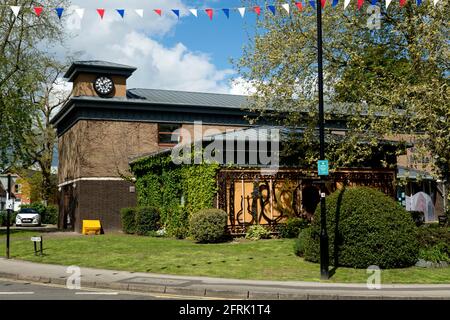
(365, 227)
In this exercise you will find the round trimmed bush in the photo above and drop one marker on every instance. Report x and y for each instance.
(208, 225)
(365, 227)
(147, 219)
(292, 227)
(299, 244)
(257, 232)
(128, 220)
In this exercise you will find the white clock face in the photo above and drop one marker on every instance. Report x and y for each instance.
(103, 85)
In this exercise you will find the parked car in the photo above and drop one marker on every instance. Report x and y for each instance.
(28, 217)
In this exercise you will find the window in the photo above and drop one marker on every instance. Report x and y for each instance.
(166, 134)
(18, 188)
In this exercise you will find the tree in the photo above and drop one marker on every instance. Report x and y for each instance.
(383, 81)
(24, 44)
(41, 140)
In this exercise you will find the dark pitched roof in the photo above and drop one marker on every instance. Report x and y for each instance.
(97, 66)
(188, 98)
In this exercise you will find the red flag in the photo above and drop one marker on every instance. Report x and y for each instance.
(101, 12)
(210, 13)
(158, 11)
(38, 10)
(402, 3)
(360, 3)
(299, 6)
(257, 10)
(324, 2)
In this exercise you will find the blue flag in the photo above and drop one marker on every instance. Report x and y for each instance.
(272, 9)
(227, 12)
(177, 12)
(121, 12)
(59, 12)
(334, 4)
(373, 2)
(313, 4)
(419, 2)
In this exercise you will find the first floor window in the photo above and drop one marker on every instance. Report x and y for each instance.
(166, 135)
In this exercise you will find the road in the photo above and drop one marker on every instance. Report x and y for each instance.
(21, 290)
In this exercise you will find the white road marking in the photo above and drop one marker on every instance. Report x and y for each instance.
(16, 293)
(98, 293)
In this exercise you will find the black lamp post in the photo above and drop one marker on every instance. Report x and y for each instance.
(323, 221)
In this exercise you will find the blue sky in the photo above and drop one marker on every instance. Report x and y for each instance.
(189, 53)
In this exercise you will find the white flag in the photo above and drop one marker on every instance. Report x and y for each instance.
(15, 10)
(346, 3)
(140, 12)
(80, 13)
(388, 2)
(286, 7)
(435, 1)
(242, 11)
(194, 12)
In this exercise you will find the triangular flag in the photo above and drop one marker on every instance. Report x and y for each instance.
(226, 12)
(158, 12)
(210, 13)
(80, 13)
(435, 2)
(194, 12)
(38, 10)
(388, 2)
(241, 11)
(373, 2)
(402, 3)
(257, 9)
(313, 4)
(419, 2)
(140, 12)
(346, 3)
(272, 9)
(286, 7)
(176, 12)
(323, 2)
(334, 4)
(299, 6)
(121, 12)
(101, 12)
(15, 10)
(59, 12)
(360, 3)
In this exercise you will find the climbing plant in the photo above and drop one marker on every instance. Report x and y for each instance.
(177, 190)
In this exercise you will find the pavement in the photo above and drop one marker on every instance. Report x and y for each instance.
(212, 288)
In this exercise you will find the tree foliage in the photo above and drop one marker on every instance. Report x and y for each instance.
(25, 42)
(383, 81)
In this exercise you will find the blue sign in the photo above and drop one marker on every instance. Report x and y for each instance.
(322, 167)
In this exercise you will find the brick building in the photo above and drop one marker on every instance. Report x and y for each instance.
(105, 124)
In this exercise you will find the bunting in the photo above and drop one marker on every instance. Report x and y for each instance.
(38, 10)
(210, 13)
(194, 12)
(226, 12)
(15, 10)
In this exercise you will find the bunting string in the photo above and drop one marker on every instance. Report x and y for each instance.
(286, 9)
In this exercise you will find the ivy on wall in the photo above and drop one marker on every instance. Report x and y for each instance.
(178, 190)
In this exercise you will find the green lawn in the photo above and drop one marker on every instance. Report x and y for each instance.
(264, 259)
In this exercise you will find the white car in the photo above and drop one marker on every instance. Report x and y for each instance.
(28, 217)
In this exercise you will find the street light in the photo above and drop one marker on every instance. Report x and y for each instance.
(323, 220)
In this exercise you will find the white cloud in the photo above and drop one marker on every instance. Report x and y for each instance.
(241, 86)
(136, 41)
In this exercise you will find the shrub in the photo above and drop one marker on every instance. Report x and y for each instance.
(146, 220)
(436, 253)
(128, 220)
(292, 227)
(365, 227)
(299, 244)
(430, 235)
(257, 232)
(208, 225)
(177, 224)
